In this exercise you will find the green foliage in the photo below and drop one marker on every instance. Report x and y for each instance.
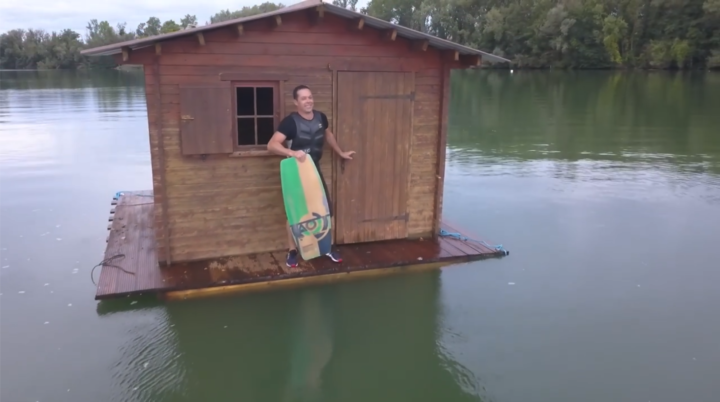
(150, 28)
(571, 33)
(188, 21)
(169, 26)
(36, 49)
(225, 15)
(614, 30)
(349, 4)
(714, 60)
(21, 49)
(667, 34)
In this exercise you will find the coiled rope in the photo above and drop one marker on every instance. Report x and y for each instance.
(105, 263)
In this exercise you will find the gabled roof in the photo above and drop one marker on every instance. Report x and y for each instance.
(403, 32)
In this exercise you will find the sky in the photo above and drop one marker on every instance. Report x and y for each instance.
(56, 15)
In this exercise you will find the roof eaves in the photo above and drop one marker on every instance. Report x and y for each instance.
(340, 11)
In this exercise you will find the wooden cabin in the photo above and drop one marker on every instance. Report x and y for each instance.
(216, 94)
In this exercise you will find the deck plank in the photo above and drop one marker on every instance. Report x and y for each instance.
(458, 246)
(131, 233)
(454, 228)
(447, 249)
(279, 257)
(130, 237)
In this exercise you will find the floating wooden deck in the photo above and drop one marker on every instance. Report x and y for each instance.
(130, 266)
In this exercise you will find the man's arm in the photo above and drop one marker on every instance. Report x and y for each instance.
(286, 131)
(276, 145)
(333, 143)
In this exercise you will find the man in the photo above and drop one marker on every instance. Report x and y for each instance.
(307, 129)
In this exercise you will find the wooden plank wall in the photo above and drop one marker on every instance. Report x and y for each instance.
(225, 205)
(423, 154)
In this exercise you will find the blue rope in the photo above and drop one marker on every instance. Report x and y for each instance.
(458, 236)
(120, 193)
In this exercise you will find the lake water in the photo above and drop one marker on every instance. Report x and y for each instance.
(604, 186)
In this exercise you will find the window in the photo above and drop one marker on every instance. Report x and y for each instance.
(256, 112)
(236, 116)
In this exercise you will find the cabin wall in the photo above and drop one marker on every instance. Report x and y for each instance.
(223, 205)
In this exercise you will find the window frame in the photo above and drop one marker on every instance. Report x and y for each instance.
(241, 76)
(277, 112)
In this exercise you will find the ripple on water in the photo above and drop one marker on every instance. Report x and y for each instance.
(149, 363)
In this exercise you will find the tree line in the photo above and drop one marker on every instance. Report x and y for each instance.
(580, 34)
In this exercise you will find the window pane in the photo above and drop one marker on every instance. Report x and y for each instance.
(265, 104)
(246, 131)
(265, 129)
(245, 101)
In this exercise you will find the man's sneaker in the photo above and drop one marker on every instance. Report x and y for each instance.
(334, 256)
(291, 260)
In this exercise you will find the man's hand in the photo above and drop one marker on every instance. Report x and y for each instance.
(347, 155)
(334, 145)
(300, 155)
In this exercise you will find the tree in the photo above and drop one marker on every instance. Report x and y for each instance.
(225, 15)
(169, 26)
(532, 33)
(350, 4)
(188, 20)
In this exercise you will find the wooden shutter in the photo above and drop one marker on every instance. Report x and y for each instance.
(206, 120)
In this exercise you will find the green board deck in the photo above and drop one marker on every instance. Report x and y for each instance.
(306, 207)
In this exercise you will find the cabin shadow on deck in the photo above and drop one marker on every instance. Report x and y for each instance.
(130, 266)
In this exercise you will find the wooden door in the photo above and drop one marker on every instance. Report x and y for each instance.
(374, 113)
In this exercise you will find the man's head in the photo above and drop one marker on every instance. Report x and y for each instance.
(303, 98)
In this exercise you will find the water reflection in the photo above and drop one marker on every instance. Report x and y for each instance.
(643, 130)
(330, 343)
(55, 125)
(70, 79)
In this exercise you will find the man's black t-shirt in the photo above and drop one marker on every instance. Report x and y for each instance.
(287, 125)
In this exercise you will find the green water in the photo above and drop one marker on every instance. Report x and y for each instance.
(604, 186)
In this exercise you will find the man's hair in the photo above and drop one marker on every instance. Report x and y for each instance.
(298, 88)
